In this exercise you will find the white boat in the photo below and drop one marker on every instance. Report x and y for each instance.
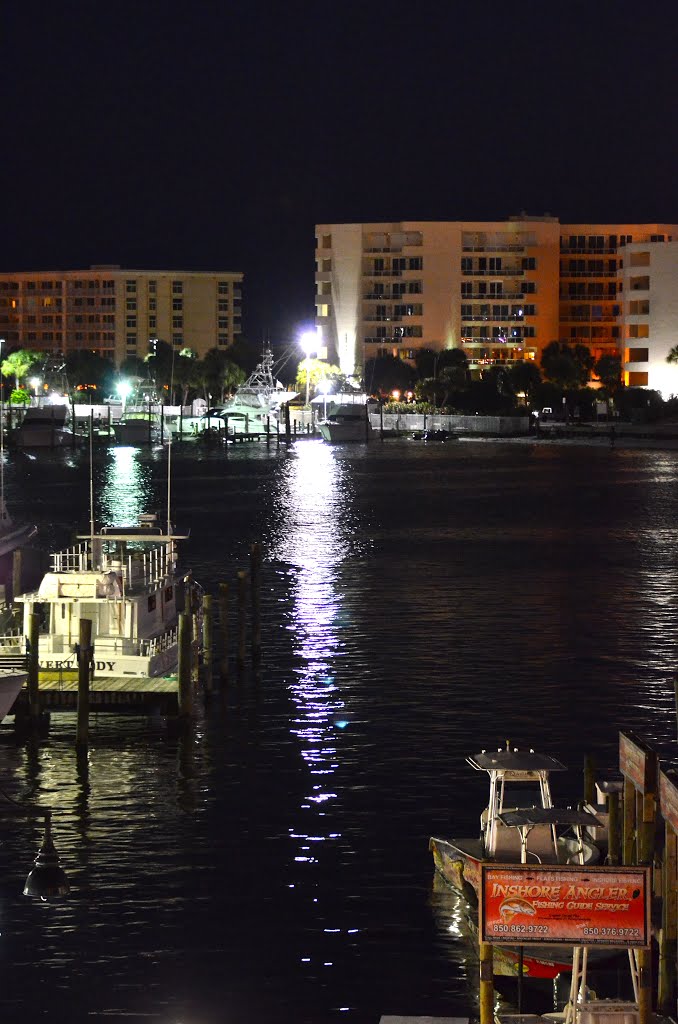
(346, 418)
(125, 580)
(255, 408)
(11, 682)
(528, 834)
(45, 427)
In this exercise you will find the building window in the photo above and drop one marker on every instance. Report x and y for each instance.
(177, 304)
(131, 286)
(152, 287)
(152, 305)
(131, 341)
(222, 288)
(152, 323)
(131, 304)
(177, 339)
(177, 322)
(222, 339)
(222, 323)
(131, 321)
(529, 263)
(416, 263)
(30, 286)
(177, 288)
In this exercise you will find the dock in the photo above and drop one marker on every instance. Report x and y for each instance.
(121, 694)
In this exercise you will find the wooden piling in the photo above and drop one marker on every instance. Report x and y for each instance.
(668, 937)
(644, 985)
(223, 624)
(17, 566)
(589, 781)
(629, 826)
(613, 828)
(255, 572)
(242, 618)
(33, 668)
(184, 666)
(287, 421)
(84, 670)
(207, 632)
(486, 983)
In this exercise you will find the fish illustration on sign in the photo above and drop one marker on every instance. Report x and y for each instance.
(515, 905)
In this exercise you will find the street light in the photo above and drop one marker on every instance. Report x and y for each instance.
(123, 389)
(309, 343)
(325, 388)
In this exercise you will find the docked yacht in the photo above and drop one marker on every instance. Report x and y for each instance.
(255, 408)
(346, 418)
(125, 580)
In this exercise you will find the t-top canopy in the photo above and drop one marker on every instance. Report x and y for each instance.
(514, 761)
(547, 816)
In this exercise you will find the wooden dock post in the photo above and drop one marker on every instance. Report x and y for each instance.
(207, 630)
(668, 937)
(486, 983)
(17, 565)
(255, 573)
(85, 661)
(223, 624)
(184, 666)
(287, 422)
(589, 781)
(242, 618)
(33, 668)
(613, 836)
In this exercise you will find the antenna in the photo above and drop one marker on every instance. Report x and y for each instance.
(169, 452)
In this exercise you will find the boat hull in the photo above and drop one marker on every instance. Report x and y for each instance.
(11, 683)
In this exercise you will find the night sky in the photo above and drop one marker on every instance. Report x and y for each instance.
(215, 135)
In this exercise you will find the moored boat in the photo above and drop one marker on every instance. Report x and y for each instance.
(536, 834)
(11, 682)
(126, 581)
(347, 418)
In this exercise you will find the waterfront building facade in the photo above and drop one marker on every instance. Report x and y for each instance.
(649, 319)
(115, 312)
(501, 291)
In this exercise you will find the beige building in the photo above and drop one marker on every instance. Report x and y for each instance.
(115, 312)
(649, 321)
(501, 290)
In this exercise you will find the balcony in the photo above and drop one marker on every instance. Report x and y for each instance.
(588, 273)
(588, 252)
(381, 319)
(382, 273)
(387, 248)
(504, 272)
(490, 247)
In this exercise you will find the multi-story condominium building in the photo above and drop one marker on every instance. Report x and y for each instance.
(115, 312)
(501, 291)
(649, 319)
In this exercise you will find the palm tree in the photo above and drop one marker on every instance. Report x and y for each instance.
(672, 357)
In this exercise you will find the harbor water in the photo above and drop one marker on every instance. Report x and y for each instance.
(419, 603)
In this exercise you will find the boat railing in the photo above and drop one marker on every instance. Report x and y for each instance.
(13, 640)
(75, 559)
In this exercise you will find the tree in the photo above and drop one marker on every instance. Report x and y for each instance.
(220, 375)
(566, 365)
(317, 370)
(385, 374)
(672, 357)
(525, 377)
(88, 372)
(19, 364)
(608, 369)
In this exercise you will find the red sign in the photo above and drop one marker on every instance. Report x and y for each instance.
(596, 906)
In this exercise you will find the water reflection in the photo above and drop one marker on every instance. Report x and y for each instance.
(316, 499)
(126, 487)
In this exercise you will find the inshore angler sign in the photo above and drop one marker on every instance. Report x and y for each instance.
(563, 904)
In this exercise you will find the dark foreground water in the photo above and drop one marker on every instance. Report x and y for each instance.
(420, 603)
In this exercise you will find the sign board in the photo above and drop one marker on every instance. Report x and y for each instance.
(668, 798)
(565, 904)
(637, 762)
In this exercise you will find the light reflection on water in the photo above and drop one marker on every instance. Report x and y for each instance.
(419, 604)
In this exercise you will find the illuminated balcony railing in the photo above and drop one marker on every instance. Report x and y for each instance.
(588, 273)
(386, 248)
(588, 251)
(503, 272)
(490, 247)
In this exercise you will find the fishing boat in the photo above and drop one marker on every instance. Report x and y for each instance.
(126, 581)
(255, 408)
(536, 833)
(347, 418)
(45, 427)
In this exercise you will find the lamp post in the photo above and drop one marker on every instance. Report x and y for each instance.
(325, 388)
(123, 390)
(35, 384)
(309, 344)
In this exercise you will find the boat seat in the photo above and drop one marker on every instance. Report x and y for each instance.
(540, 848)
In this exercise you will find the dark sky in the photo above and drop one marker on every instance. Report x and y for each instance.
(202, 134)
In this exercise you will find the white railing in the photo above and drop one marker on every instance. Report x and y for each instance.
(75, 559)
